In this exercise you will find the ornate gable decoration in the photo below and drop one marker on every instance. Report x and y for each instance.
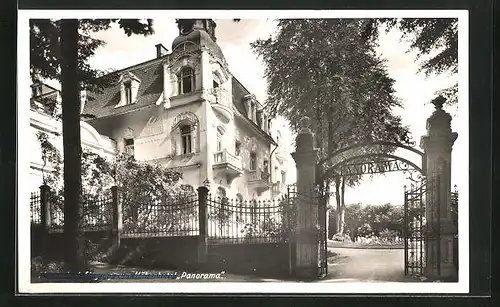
(217, 56)
(186, 49)
(128, 76)
(185, 116)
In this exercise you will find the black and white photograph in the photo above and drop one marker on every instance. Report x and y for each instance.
(243, 151)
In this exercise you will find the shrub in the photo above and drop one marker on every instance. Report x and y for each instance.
(365, 229)
(388, 235)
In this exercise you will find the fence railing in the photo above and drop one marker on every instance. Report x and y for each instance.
(177, 216)
(236, 221)
(97, 212)
(220, 220)
(35, 208)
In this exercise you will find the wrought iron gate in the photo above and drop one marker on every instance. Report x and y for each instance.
(318, 215)
(421, 226)
(322, 236)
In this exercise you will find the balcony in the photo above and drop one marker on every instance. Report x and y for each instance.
(278, 188)
(259, 179)
(227, 165)
(221, 103)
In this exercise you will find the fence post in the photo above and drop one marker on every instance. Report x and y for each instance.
(202, 224)
(117, 223)
(45, 219)
(45, 206)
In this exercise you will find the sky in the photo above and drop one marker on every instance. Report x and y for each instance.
(413, 88)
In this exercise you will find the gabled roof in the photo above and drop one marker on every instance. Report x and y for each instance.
(239, 91)
(149, 73)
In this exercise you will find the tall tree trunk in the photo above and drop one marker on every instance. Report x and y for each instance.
(75, 256)
(337, 198)
(342, 206)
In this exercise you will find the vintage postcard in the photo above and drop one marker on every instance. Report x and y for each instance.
(243, 152)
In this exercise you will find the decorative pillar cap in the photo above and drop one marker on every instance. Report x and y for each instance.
(206, 183)
(438, 102)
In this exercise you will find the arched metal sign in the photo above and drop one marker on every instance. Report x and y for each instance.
(375, 157)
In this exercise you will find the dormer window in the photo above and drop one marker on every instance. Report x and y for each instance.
(128, 92)
(186, 80)
(129, 86)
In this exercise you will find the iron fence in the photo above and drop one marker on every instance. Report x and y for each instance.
(35, 208)
(256, 221)
(177, 216)
(97, 211)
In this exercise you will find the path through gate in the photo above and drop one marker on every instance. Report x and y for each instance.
(428, 226)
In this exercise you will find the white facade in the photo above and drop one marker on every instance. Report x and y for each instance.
(41, 122)
(185, 110)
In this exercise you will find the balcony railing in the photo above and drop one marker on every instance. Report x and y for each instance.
(257, 175)
(224, 156)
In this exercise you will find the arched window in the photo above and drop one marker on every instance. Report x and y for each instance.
(186, 139)
(186, 80)
(185, 134)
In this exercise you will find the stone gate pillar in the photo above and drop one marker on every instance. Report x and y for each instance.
(305, 156)
(437, 145)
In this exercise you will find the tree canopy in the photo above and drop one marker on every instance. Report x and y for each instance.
(327, 70)
(434, 39)
(60, 49)
(323, 69)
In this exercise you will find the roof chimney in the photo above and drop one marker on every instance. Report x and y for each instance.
(160, 50)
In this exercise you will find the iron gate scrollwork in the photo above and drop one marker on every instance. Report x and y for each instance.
(421, 226)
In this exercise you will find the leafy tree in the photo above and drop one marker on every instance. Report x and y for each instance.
(60, 50)
(434, 39)
(326, 70)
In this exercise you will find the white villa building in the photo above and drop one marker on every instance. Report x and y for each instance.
(183, 109)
